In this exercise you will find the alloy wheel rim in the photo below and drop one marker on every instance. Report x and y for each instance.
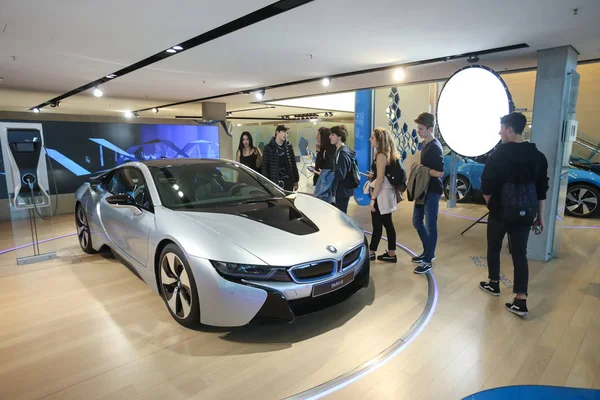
(461, 189)
(82, 229)
(581, 201)
(176, 285)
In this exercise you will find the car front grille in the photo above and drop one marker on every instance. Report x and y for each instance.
(351, 257)
(313, 271)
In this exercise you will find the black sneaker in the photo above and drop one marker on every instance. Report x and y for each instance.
(419, 259)
(518, 306)
(492, 288)
(423, 268)
(386, 257)
(372, 256)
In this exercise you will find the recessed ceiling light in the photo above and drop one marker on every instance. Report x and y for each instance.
(399, 74)
(98, 92)
(155, 110)
(128, 114)
(111, 76)
(36, 110)
(260, 94)
(326, 82)
(177, 48)
(171, 51)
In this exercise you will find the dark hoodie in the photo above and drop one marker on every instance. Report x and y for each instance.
(511, 159)
(342, 164)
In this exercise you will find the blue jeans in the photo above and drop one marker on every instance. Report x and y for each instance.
(427, 232)
(341, 203)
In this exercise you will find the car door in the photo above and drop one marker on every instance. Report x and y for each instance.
(129, 227)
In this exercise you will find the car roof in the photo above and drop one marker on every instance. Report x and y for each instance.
(183, 161)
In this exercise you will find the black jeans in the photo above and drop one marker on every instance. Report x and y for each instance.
(379, 221)
(341, 203)
(518, 236)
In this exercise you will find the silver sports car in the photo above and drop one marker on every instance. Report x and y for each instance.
(219, 242)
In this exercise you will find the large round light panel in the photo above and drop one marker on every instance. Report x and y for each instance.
(469, 111)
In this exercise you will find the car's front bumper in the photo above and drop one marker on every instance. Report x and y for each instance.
(229, 303)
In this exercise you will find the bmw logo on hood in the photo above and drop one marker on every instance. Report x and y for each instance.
(331, 249)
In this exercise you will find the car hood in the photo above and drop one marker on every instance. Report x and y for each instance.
(284, 232)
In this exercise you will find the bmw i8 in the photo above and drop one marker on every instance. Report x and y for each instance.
(220, 243)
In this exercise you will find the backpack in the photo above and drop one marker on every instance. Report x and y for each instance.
(355, 176)
(396, 175)
(519, 199)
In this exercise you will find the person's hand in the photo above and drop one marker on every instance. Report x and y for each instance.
(370, 175)
(372, 205)
(539, 221)
(317, 172)
(295, 186)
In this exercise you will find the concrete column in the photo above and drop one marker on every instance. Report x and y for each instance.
(218, 112)
(555, 102)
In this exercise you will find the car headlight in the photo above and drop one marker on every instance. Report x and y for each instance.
(249, 271)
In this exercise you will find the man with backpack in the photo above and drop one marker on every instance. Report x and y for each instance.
(514, 183)
(345, 168)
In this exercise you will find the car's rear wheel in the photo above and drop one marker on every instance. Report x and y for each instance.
(178, 287)
(463, 189)
(83, 230)
(582, 201)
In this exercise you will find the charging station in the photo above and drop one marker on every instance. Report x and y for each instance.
(27, 184)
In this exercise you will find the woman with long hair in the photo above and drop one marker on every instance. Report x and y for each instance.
(247, 154)
(324, 153)
(383, 194)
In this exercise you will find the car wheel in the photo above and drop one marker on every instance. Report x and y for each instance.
(463, 189)
(582, 201)
(83, 230)
(178, 288)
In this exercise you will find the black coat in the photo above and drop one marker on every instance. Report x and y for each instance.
(324, 160)
(270, 161)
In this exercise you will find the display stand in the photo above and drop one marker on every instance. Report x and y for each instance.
(479, 221)
(28, 192)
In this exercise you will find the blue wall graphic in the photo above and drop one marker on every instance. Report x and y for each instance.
(406, 143)
(363, 121)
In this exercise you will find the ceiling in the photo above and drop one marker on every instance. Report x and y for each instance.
(51, 49)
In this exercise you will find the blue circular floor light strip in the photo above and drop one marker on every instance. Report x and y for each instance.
(527, 392)
(386, 355)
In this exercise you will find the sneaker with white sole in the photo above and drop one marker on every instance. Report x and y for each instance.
(420, 258)
(490, 287)
(423, 268)
(518, 307)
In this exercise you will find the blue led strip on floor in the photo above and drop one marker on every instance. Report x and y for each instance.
(361, 371)
(536, 392)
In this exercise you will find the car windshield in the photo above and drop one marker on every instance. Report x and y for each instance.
(211, 184)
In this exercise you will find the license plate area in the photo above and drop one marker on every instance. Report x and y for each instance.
(333, 285)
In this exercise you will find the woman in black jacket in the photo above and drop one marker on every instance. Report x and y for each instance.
(325, 153)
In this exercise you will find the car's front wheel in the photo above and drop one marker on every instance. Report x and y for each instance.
(178, 287)
(83, 230)
(582, 201)
(463, 189)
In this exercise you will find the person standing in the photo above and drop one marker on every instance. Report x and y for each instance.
(432, 157)
(514, 183)
(342, 167)
(247, 154)
(383, 194)
(279, 161)
(325, 153)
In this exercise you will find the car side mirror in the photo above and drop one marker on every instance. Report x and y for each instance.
(123, 200)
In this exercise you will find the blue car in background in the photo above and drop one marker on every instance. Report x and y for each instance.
(583, 191)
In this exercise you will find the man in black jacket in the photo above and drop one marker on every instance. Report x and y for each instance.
(513, 160)
(279, 161)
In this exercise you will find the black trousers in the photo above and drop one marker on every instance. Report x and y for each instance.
(518, 236)
(379, 221)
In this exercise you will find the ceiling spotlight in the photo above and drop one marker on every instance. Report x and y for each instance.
(111, 76)
(135, 114)
(399, 74)
(98, 92)
(260, 94)
(177, 48)
(55, 104)
(155, 110)
(35, 110)
(473, 59)
(128, 114)
(326, 82)
(228, 114)
(171, 51)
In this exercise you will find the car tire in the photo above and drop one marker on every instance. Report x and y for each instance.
(582, 201)
(177, 287)
(84, 235)
(463, 187)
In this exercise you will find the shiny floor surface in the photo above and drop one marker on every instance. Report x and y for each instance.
(85, 326)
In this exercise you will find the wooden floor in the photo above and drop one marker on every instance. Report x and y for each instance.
(86, 327)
